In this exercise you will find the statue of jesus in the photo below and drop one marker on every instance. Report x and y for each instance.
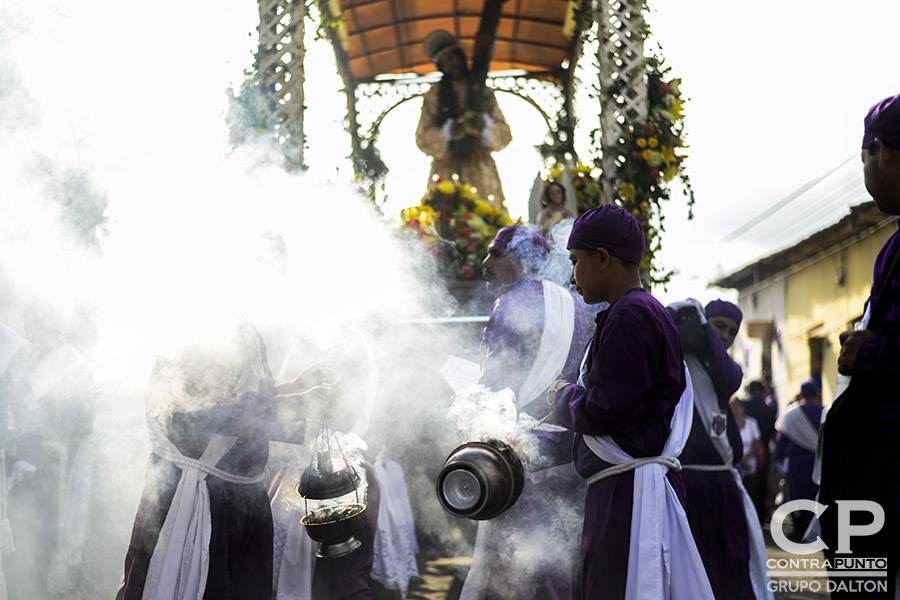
(445, 119)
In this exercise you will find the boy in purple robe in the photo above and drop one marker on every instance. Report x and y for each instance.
(795, 445)
(861, 437)
(716, 505)
(632, 379)
(531, 546)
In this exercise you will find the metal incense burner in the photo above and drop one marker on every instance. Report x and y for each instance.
(480, 480)
(334, 512)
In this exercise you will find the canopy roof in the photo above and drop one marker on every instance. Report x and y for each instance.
(380, 38)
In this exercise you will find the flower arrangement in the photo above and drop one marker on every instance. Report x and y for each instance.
(455, 225)
(649, 159)
(588, 192)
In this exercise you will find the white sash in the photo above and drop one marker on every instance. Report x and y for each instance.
(759, 578)
(663, 561)
(706, 405)
(556, 340)
(180, 562)
(797, 426)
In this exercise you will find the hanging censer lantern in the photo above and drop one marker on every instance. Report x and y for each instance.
(334, 512)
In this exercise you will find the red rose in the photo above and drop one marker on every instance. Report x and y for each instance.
(466, 218)
(654, 173)
(648, 131)
(664, 88)
(414, 223)
(467, 271)
(465, 232)
(434, 250)
(470, 248)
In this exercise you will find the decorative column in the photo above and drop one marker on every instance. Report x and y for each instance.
(623, 84)
(279, 64)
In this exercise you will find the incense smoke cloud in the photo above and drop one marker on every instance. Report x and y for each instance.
(127, 230)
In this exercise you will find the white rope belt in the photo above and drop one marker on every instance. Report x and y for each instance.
(184, 462)
(722, 467)
(667, 461)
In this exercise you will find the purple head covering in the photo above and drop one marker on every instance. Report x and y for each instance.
(809, 388)
(530, 247)
(611, 227)
(723, 308)
(883, 121)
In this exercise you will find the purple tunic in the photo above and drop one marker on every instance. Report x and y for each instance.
(241, 537)
(859, 456)
(634, 378)
(510, 345)
(715, 504)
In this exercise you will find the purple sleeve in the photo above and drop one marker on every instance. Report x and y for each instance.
(726, 374)
(880, 355)
(512, 336)
(781, 442)
(617, 380)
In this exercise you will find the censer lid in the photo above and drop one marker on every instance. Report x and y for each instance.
(321, 486)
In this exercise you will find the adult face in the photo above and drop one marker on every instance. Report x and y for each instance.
(880, 165)
(590, 274)
(501, 269)
(726, 328)
(452, 63)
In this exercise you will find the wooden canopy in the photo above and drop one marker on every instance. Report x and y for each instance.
(380, 38)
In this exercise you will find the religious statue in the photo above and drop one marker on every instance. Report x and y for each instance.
(447, 122)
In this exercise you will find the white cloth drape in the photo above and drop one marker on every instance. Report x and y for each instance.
(180, 563)
(706, 406)
(759, 578)
(797, 426)
(395, 539)
(556, 341)
(663, 561)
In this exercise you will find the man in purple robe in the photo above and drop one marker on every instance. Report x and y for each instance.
(533, 553)
(861, 437)
(211, 411)
(631, 381)
(715, 498)
(795, 447)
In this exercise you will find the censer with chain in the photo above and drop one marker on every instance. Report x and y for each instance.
(330, 488)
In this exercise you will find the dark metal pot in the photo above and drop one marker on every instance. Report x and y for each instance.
(334, 527)
(480, 480)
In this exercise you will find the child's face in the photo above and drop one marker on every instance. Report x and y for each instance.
(590, 269)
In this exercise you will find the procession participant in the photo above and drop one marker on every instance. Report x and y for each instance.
(632, 408)
(536, 332)
(862, 427)
(722, 516)
(757, 406)
(444, 118)
(203, 527)
(795, 446)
